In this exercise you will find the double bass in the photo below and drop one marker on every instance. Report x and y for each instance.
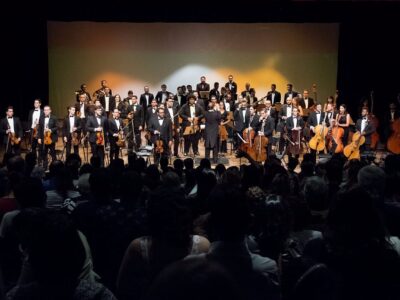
(260, 145)
(393, 142)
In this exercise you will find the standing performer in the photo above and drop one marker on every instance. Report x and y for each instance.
(232, 87)
(343, 120)
(191, 115)
(97, 126)
(241, 117)
(114, 131)
(138, 115)
(33, 119)
(161, 135)
(72, 131)
(11, 129)
(48, 136)
(295, 125)
(107, 101)
(273, 95)
(268, 124)
(213, 120)
(366, 128)
(171, 112)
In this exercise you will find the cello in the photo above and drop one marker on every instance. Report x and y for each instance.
(260, 144)
(352, 151)
(317, 142)
(335, 141)
(247, 145)
(393, 142)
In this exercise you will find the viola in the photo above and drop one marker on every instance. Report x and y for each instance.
(13, 138)
(47, 138)
(159, 146)
(75, 139)
(100, 138)
(121, 139)
(393, 142)
(352, 151)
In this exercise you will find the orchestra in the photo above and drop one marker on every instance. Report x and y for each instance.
(166, 119)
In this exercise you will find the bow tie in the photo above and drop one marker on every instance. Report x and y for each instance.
(47, 117)
(71, 116)
(116, 119)
(365, 119)
(36, 110)
(9, 117)
(318, 113)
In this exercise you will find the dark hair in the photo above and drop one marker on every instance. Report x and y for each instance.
(100, 185)
(189, 163)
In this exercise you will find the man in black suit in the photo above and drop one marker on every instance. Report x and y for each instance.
(241, 117)
(269, 110)
(294, 123)
(191, 115)
(215, 92)
(171, 112)
(72, 125)
(48, 127)
(107, 101)
(266, 128)
(11, 126)
(330, 114)
(274, 95)
(114, 128)
(138, 120)
(161, 129)
(128, 100)
(316, 118)
(213, 120)
(254, 121)
(98, 124)
(146, 98)
(232, 87)
(151, 112)
(180, 97)
(290, 93)
(246, 92)
(83, 90)
(82, 110)
(33, 120)
(101, 91)
(366, 128)
(203, 86)
(306, 102)
(162, 95)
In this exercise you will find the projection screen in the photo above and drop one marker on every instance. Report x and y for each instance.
(132, 55)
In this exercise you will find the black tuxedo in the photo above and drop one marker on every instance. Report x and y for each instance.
(368, 130)
(269, 126)
(240, 123)
(293, 93)
(138, 115)
(232, 86)
(18, 133)
(165, 133)
(272, 113)
(67, 133)
(52, 125)
(192, 139)
(143, 100)
(254, 122)
(91, 125)
(200, 87)
(175, 118)
(159, 96)
(277, 98)
(30, 117)
(290, 123)
(86, 109)
(216, 93)
(111, 104)
(181, 102)
(213, 120)
(30, 122)
(150, 115)
(313, 120)
(185, 114)
(302, 103)
(113, 129)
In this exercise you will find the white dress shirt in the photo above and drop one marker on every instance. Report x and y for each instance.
(364, 123)
(71, 124)
(11, 124)
(147, 99)
(118, 124)
(160, 121)
(192, 111)
(273, 98)
(288, 111)
(35, 118)
(98, 121)
(306, 103)
(46, 122)
(318, 117)
(107, 103)
(294, 122)
(82, 110)
(171, 113)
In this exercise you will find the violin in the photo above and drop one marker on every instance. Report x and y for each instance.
(393, 142)
(121, 139)
(352, 151)
(75, 139)
(159, 145)
(260, 145)
(100, 138)
(47, 137)
(13, 138)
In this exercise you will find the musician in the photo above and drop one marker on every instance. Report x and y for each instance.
(295, 103)
(241, 117)
(366, 128)
(48, 125)
(329, 113)
(146, 98)
(82, 110)
(128, 100)
(224, 121)
(203, 86)
(97, 126)
(191, 113)
(162, 95)
(232, 87)
(213, 120)
(107, 101)
(72, 124)
(290, 93)
(391, 115)
(180, 97)
(101, 90)
(161, 129)
(151, 111)
(215, 92)
(343, 120)
(83, 90)
(171, 112)
(330, 100)
(266, 128)
(33, 120)
(284, 114)
(200, 102)
(121, 106)
(273, 95)
(246, 92)
(251, 99)
(138, 120)
(269, 110)
(316, 118)
(254, 121)
(228, 102)
(11, 126)
(115, 126)
(306, 102)
(294, 123)
(97, 104)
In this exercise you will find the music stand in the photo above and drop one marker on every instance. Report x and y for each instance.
(204, 94)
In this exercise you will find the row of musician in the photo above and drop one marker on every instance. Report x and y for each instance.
(323, 130)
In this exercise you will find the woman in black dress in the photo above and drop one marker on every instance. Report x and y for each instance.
(343, 120)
